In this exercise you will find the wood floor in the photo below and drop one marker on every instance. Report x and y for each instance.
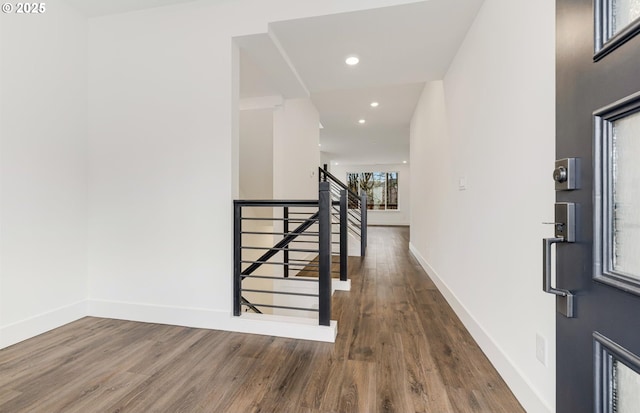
(400, 348)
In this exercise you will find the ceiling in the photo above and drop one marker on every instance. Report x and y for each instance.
(400, 48)
(96, 8)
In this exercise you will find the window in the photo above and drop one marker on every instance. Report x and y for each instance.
(617, 377)
(617, 179)
(381, 188)
(616, 22)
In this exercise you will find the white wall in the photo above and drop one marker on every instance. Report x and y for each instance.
(493, 121)
(163, 155)
(256, 153)
(296, 155)
(43, 187)
(399, 217)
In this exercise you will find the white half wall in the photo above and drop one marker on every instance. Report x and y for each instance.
(43, 183)
(392, 217)
(492, 122)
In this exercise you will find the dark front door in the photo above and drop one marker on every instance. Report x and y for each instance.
(598, 124)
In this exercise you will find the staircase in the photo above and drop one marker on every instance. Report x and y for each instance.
(283, 252)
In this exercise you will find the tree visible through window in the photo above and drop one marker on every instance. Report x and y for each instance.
(381, 188)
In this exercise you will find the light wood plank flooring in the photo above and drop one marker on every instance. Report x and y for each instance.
(400, 348)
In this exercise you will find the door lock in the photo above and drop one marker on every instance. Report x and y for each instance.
(566, 174)
(560, 174)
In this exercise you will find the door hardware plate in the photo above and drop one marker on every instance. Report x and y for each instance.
(565, 221)
(566, 174)
(564, 305)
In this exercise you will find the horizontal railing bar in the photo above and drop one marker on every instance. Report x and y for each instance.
(299, 260)
(305, 242)
(276, 203)
(299, 203)
(266, 277)
(294, 220)
(279, 292)
(280, 249)
(284, 307)
(275, 263)
(299, 213)
(305, 234)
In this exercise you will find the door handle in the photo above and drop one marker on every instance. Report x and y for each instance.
(565, 231)
(565, 297)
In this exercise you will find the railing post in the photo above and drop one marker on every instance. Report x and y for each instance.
(363, 223)
(285, 215)
(237, 252)
(343, 234)
(324, 168)
(324, 223)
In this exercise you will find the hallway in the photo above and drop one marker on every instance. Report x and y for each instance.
(400, 348)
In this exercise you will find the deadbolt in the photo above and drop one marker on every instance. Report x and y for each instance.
(566, 174)
(560, 174)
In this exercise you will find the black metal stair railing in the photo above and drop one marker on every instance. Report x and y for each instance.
(357, 206)
(305, 252)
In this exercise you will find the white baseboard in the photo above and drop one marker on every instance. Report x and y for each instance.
(279, 326)
(519, 385)
(339, 285)
(290, 327)
(41, 323)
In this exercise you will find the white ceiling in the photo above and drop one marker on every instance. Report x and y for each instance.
(396, 45)
(96, 8)
(399, 47)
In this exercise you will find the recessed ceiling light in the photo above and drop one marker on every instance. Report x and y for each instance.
(352, 60)
(336, 163)
(404, 161)
(374, 104)
(362, 121)
(319, 144)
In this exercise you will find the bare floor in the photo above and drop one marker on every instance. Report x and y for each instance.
(400, 348)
